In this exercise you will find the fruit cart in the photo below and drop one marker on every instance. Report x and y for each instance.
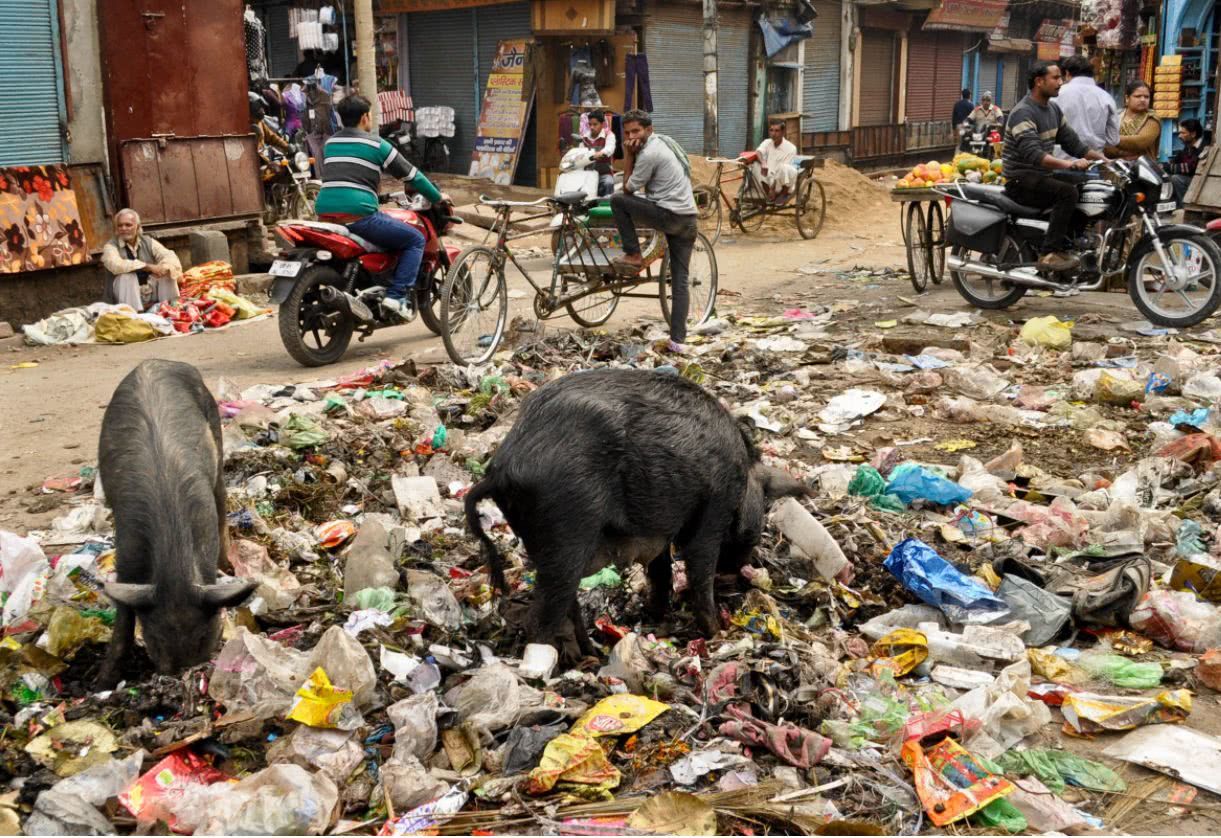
(922, 220)
(922, 212)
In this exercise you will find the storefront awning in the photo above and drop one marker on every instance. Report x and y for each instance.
(967, 15)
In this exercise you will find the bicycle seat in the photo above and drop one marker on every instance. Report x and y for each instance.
(572, 200)
(803, 162)
(749, 157)
(995, 196)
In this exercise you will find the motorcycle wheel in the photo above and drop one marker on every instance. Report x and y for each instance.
(303, 315)
(428, 302)
(302, 205)
(1199, 294)
(986, 293)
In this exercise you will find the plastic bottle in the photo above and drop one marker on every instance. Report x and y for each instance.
(803, 530)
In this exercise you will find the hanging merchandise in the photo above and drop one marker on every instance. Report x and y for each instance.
(256, 45)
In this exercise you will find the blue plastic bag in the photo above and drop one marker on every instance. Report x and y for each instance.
(939, 584)
(1197, 418)
(910, 482)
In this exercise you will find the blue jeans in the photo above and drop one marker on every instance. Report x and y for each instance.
(391, 234)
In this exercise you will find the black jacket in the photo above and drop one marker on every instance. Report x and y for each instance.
(1185, 160)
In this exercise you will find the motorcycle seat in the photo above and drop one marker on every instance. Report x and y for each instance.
(571, 199)
(341, 230)
(995, 196)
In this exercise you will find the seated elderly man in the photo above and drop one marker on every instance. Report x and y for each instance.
(775, 167)
(143, 268)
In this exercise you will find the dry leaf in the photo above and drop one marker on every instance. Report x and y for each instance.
(675, 813)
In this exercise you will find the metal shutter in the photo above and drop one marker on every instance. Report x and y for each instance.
(949, 73)
(282, 55)
(733, 73)
(495, 24)
(674, 43)
(31, 97)
(820, 81)
(877, 77)
(921, 75)
(987, 78)
(441, 55)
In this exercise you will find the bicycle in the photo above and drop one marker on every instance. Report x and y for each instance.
(475, 299)
(752, 204)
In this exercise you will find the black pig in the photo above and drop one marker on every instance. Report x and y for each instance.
(615, 465)
(160, 462)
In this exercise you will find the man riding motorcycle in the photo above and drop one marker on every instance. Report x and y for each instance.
(352, 165)
(982, 119)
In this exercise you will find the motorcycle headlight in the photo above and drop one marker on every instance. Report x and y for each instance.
(301, 161)
(1167, 190)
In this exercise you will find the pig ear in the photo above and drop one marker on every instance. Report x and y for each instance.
(225, 594)
(777, 484)
(130, 595)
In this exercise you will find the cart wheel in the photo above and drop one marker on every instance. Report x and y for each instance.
(752, 203)
(915, 236)
(811, 207)
(936, 241)
(701, 283)
(708, 205)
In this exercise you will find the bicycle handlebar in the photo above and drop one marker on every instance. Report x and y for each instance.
(500, 202)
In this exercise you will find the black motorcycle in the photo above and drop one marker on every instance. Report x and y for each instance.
(1172, 271)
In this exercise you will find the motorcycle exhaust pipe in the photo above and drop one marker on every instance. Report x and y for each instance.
(346, 303)
(957, 263)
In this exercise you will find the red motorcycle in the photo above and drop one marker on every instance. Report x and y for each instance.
(330, 283)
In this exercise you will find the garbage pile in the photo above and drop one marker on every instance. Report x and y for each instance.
(1003, 591)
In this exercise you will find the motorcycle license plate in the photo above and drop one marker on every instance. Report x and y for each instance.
(282, 268)
(1168, 206)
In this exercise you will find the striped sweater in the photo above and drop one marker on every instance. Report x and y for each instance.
(352, 166)
(1032, 132)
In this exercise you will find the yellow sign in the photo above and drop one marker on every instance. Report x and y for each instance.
(504, 114)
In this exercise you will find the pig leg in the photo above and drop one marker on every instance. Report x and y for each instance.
(701, 555)
(578, 629)
(121, 638)
(560, 562)
(661, 584)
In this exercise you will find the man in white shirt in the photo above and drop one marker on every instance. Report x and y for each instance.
(775, 167)
(143, 269)
(1089, 110)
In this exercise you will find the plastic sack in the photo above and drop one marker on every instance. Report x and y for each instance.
(911, 482)
(936, 582)
(950, 782)
(1086, 713)
(1177, 620)
(114, 327)
(867, 482)
(1121, 671)
(1048, 331)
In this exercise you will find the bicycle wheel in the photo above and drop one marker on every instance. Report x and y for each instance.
(708, 204)
(701, 283)
(811, 207)
(592, 310)
(752, 203)
(916, 238)
(935, 221)
(474, 306)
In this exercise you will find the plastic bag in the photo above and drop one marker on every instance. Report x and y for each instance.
(900, 651)
(491, 699)
(961, 598)
(300, 431)
(279, 800)
(619, 714)
(1116, 389)
(115, 327)
(910, 482)
(321, 704)
(1001, 814)
(574, 759)
(1048, 331)
(68, 807)
(433, 600)
(1058, 768)
(240, 305)
(950, 782)
(1177, 620)
(1121, 671)
(23, 575)
(277, 586)
(415, 726)
(335, 753)
(162, 791)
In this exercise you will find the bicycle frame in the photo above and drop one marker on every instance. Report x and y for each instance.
(575, 238)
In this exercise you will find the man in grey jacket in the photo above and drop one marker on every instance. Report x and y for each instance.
(657, 193)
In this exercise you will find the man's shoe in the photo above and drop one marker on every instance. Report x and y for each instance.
(1059, 261)
(628, 264)
(404, 309)
(676, 348)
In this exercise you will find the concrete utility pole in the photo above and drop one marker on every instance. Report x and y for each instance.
(711, 136)
(366, 56)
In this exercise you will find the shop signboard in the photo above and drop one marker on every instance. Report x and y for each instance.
(504, 115)
(967, 15)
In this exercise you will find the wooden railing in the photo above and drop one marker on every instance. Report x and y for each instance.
(873, 142)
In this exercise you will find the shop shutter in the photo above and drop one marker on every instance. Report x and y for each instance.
(921, 75)
(950, 47)
(440, 53)
(282, 55)
(733, 81)
(496, 24)
(878, 53)
(1014, 81)
(821, 79)
(31, 97)
(987, 76)
(674, 43)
